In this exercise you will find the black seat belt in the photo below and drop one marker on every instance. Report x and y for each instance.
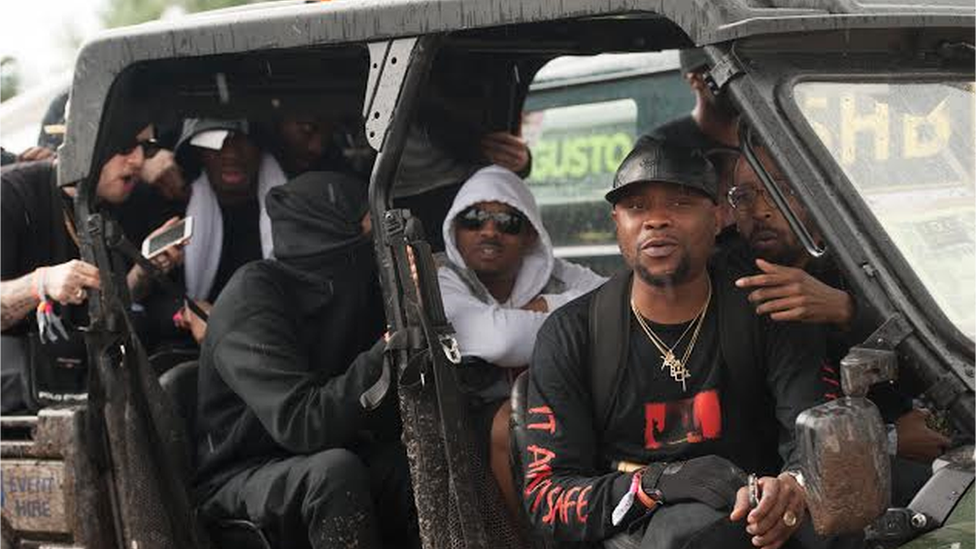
(609, 340)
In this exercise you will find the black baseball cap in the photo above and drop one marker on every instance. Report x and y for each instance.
(654, 159)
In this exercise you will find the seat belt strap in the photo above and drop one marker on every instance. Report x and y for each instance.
(609, 331)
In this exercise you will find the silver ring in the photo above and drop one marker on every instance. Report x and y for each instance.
(789, 519)
(80, 293)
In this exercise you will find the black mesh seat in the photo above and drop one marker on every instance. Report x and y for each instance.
(180, 384)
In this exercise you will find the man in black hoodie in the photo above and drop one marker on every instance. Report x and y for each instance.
(291, 345)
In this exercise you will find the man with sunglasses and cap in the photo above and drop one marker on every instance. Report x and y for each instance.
(499, 281)
(41, 269)
(651, 398)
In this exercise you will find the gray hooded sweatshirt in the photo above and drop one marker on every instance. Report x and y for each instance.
(503, 334)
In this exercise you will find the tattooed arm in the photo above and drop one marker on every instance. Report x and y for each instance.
(17, 300)
(65, 283)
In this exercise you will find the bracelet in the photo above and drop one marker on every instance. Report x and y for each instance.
(649, 500)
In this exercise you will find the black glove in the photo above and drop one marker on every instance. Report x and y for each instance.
(711, 480)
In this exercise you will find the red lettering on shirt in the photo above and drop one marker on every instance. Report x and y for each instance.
(551, 504)
(562, 503)
(538, 472)
(559, 503)
(540, 457)
(543, 488)
(569, 503)
(686, 421)
(550, 422)
(583, 502)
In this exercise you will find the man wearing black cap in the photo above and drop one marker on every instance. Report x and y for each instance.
(644, 419)
(292, 344)
(229, 179)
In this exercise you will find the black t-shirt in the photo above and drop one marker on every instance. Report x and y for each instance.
(242, 242)
(655, 419)
(32, 228)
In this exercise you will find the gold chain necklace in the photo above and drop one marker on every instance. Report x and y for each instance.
(677, 367)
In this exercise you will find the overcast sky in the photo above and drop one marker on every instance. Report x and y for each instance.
(40, 34)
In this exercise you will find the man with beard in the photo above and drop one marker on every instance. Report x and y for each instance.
(307, 142)
(794, 286)
(292, 345)
(703, 390)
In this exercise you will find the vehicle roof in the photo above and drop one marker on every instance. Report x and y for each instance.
(293, 24)
(569, 70)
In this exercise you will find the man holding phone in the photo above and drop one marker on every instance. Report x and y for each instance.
(230, 178)
(40, 267)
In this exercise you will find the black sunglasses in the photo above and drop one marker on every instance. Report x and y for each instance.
(474, 218)
(149, 147)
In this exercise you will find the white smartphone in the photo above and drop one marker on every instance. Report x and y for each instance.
(177, 234)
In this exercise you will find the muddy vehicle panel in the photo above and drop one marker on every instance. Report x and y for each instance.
(792, 68)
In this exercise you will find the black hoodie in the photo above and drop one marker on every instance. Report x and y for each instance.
(293, 343)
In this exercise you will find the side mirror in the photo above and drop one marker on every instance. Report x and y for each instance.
(843, 446)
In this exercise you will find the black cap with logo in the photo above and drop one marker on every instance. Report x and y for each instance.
(656, 160)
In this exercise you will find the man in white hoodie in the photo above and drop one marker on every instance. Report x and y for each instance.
(499, 281)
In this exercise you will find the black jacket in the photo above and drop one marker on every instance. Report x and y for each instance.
(283, 365)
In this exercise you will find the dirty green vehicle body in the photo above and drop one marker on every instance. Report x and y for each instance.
(958, 532)
(109, 470)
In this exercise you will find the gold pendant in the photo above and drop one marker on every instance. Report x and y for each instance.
(677, 370)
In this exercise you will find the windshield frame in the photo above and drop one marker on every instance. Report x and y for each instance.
(762, 70)
(853, 198)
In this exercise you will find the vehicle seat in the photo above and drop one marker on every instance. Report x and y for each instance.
(163, 360)
(517, 425)
(180, 385)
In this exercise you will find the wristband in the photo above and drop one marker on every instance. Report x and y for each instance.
(627, 501)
